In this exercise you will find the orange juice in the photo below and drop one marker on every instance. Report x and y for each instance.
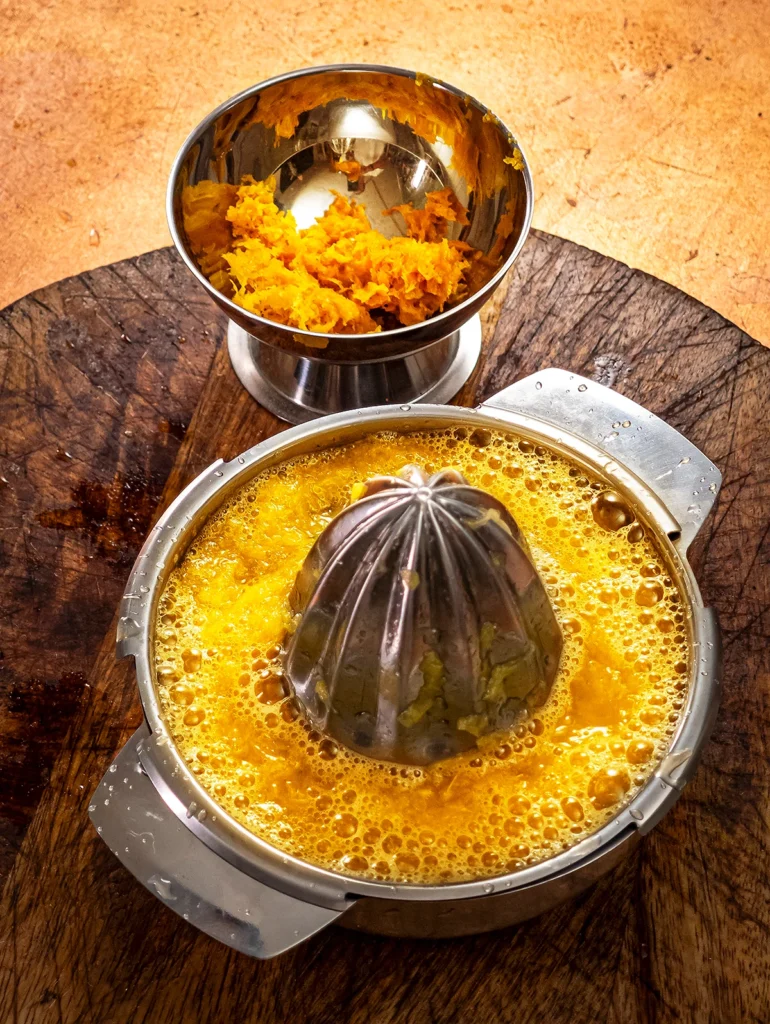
(524, 795)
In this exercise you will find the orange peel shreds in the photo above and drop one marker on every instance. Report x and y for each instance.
(255, 216)
(339, 276)
(516, 161)
(289, 295)
(204, 215)
(429, 110)
(412, 280)
(352, 169)
(430, 223)
(504, 230)
(343, 219)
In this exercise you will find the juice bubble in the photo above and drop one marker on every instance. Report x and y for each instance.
(611, 511)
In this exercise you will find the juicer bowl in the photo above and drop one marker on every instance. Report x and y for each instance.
(406, 135)
(237, 887)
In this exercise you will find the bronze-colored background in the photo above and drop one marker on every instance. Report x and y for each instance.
(646, 123)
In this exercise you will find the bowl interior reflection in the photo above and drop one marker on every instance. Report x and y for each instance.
(382, 136)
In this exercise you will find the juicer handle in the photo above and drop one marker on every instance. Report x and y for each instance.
(167, 858)
(673, 469)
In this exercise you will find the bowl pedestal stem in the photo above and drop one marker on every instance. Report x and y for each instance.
(297, 389)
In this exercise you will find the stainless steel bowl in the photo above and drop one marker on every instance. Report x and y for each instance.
(178, 841)
(415, 135)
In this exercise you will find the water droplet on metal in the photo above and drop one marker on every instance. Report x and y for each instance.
(582, 387)
(162, 886)
(538, 386)
(128, 628)
(671, 762)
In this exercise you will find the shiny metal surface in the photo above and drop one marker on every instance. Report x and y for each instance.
(296, 389)
(423, 622)
(451, 918)
(130, 816)
(411, 135)
(632, 438)
(558, 400)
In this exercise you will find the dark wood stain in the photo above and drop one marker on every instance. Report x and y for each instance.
(115, 517)
(82, 469)
(680, 932)
(36, 717)
(177, 428)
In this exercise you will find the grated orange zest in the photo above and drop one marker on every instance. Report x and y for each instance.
(338, 276)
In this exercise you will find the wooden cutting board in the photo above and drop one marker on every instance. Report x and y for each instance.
(116, 391)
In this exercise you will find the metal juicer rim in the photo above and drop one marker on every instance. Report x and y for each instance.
(179, 788)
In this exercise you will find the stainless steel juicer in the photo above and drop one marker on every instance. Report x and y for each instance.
(179, 843)
(423, 623)
(409, 135)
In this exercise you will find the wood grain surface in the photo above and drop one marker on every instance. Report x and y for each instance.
(116, 391)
